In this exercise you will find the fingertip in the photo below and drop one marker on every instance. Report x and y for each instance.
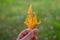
(35, 31)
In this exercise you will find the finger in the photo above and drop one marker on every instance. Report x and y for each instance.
(23, 33)
(35, 38)
(29, 36)
(35, 31)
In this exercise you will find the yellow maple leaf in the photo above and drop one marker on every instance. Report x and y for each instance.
(31, 21)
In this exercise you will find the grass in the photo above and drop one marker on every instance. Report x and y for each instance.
(14, 12)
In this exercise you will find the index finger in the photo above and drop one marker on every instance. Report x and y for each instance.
(23, 33)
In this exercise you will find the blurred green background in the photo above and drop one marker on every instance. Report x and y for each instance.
(14, 12)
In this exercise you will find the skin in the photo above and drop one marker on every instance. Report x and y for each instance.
(28, 35)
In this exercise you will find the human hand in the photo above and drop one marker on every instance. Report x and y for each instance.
(28, 35)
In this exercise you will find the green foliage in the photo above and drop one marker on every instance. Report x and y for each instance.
(14, 12)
